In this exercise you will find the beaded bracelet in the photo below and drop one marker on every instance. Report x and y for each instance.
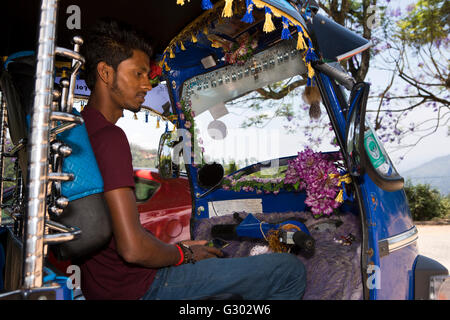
(181, 256)
(186, 253)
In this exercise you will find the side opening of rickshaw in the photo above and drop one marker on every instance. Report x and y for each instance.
(270, 131)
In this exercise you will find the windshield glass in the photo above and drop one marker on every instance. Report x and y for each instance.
(255, 112)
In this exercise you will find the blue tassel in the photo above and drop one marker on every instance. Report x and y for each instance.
(310, 54)
(286, 34)
(206, 5)
(146, 117)
(248, 17)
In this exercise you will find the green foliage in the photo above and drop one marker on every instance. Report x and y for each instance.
(427, 22)
(426, 203)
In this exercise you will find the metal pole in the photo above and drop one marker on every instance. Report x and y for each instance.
(39, 148)
(3, 115)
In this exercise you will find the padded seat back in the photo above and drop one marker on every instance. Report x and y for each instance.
(87, 208)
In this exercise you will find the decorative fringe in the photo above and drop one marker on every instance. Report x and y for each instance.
(182, 46)
(157, 122)
(248, 17)
(166, 66)
(268, 24)
(314, 111)
(135, 116)
(171, 55)
(311, 72)
(206, 5)
(146, 117)
(205, 31)
(285, 34)
(301, 44)
(194, 38)
(228, 9)
(312, 96)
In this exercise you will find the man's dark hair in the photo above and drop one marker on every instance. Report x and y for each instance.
(112, 42)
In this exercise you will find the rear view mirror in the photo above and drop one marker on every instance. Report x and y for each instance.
(166, 167)
(365, 153)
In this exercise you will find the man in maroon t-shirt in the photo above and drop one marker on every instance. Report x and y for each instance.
(136, 264)
(126, 268)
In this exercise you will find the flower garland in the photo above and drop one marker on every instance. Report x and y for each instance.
(155, 74)
(314, 172)
(187, 116)
(242, 51)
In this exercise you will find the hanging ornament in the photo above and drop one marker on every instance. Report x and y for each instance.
(157, 122)
(311, 96)
(194, 38)
(268, 24)
(301, 44)
(285, 34)
(248, 17)
(228, 9)
(146, 116)
(182, 46)
(206, 5)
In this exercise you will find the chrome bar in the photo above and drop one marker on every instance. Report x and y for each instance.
(76, 65)
(67, 117)
(399, 241)
(39, 148)
(3, 115)
(63, 52)
(60, 176)
(57, 130)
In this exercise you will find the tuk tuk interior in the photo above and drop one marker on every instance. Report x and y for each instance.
(208, 80)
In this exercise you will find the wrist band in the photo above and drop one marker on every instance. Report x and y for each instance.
(181, 255)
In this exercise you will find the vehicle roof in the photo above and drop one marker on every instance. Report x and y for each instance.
(19, 20)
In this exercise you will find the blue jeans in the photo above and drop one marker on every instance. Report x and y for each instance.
(276, 276)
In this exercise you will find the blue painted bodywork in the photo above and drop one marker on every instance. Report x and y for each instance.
(386, 214)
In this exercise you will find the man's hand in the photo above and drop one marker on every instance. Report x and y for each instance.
(201, 251)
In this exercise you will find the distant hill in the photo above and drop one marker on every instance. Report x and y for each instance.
(435, 173)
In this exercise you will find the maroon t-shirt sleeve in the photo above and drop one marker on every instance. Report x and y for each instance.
(113, 155)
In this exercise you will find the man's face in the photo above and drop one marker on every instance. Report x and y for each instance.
(131, 81)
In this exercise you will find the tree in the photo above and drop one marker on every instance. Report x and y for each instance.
(414, 53)
(410, 46)
(425, 203)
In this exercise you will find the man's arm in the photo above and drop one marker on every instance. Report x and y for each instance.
(136, 245)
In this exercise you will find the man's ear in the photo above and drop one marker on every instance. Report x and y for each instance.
(105, 72)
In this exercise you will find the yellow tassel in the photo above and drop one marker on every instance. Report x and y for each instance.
(268, 24)
(171, 54)
(135, 116)
(340, 197)
(194, 38)
(228, 9)
(180, 2)
(166, 66)
(182, 46)
(215, 44)
(157, 124)
(301, 44)
(310, 70)
(205, 31)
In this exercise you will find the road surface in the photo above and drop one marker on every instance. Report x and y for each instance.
(434, 242)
